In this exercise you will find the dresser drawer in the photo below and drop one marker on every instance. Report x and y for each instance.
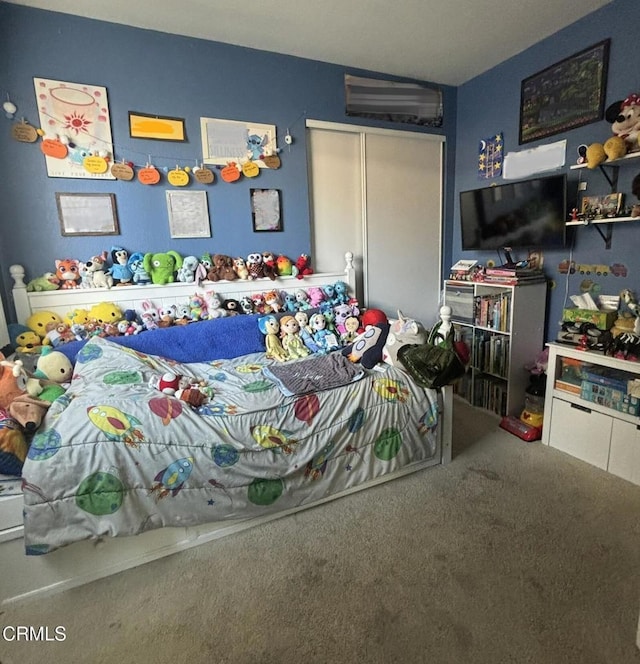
(581, 432)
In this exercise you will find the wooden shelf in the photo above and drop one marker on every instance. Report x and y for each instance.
(608, 220)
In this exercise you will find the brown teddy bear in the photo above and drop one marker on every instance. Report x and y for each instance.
(222, 268)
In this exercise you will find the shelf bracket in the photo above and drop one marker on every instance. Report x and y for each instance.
(605, 236)
(611, 179)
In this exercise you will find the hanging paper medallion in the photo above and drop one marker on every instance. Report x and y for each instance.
(250, 169)
(203, 175)
(178, 177)
(52, 147)
(95, 164)
(122, 172)
(271, 161)
(149, 175)
(24, 132)
(230, 173)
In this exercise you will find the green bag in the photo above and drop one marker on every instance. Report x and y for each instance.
(434, 363)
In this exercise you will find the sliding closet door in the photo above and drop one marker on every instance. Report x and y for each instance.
(336, 190)
(378, 193)
(403, 224)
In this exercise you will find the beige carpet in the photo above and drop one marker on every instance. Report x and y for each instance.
(513, 553)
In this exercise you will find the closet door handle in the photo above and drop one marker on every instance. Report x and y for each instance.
(584, 409)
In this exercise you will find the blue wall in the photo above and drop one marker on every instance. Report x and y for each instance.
(490, 103)
(173, 76)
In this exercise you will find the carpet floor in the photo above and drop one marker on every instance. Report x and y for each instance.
(513, 553)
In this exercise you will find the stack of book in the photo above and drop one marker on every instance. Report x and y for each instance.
(513, 276)
(463, 270)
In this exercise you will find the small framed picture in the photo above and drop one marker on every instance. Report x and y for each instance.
(87, 214)
(266, 210)
(188, 214)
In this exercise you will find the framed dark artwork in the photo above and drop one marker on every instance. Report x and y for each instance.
(266, 211)
(87, 214)
(566, 95)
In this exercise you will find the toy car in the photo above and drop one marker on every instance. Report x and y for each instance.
(619, 270)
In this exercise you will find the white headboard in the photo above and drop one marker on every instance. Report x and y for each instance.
(131, 297)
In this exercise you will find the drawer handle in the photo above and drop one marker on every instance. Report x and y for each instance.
(582, 408)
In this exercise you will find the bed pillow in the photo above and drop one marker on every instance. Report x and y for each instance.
(204, 341)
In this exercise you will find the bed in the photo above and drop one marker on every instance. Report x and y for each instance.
(120, 473)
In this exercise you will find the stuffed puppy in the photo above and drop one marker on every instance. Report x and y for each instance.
(162, 267)
(15, 396)
(367, 347)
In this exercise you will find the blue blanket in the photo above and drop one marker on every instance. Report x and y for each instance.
(218, 339)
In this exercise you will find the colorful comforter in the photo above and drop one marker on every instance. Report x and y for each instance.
(117, 457)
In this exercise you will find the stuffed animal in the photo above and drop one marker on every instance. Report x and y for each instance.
(254, 265)
(39, 320)
(232, 307)
(105, 312)
(48, 281)
(120, 271)
(68, 272)
(15, 398)
(214, 306)
(373, 317)
(367, 347)
(624, 117)
(283, 266)
(240, 268)
(403, 331)
(223, 268)
(52, 367)
(291, 340)
(302, 266)
(136, 263)
(24, 339)
(269, 265)
(97, 275)
(13, 446)
(188, 269)
(162, 267)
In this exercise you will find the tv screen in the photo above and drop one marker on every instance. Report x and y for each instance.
(529, 214)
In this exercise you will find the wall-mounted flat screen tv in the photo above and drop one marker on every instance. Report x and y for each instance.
(529, 214)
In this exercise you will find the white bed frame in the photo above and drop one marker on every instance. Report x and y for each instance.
(25, 577)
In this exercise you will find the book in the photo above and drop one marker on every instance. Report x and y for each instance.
(463, 265)
(515, 281)
(503, 271)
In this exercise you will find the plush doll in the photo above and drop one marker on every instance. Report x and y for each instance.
(15, 397)
(322, 337)
(48, 281)
(55, 370)
(214, 306)
(272, 300)
(162, 267)
(39, 320)
(352, 329)
(23, 339)
(306, 332)
(302, 266)
(136, 263)
(222, 268)
(68, 272)
(316, 296)
(284, 266)
(367, 347)
(167, 383)
(240, 268)
(188, 269)
(269, 326)
(97, 275)
(167, 315)
(198, 307)
(77, 316)
(120, 270)
(254, 265)
(302, 299)
(291, 340)
(105, 312)
(373, 317)
(232, 307)
(403, 331)
(269, 265)
(624, 117)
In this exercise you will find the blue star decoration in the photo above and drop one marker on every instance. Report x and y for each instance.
(348, 467)
(210, 501)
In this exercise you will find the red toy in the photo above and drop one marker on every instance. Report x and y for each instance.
(373, 317)
(521, 429)
(303, 266)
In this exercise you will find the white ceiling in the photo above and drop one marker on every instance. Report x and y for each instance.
(441, 41)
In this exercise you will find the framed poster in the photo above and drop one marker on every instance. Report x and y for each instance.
(87, 214)
(265, 210)
(608, 205)
(79, 113)
(224, 141)
(188, 214)
(566, 95)
(143, 125)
